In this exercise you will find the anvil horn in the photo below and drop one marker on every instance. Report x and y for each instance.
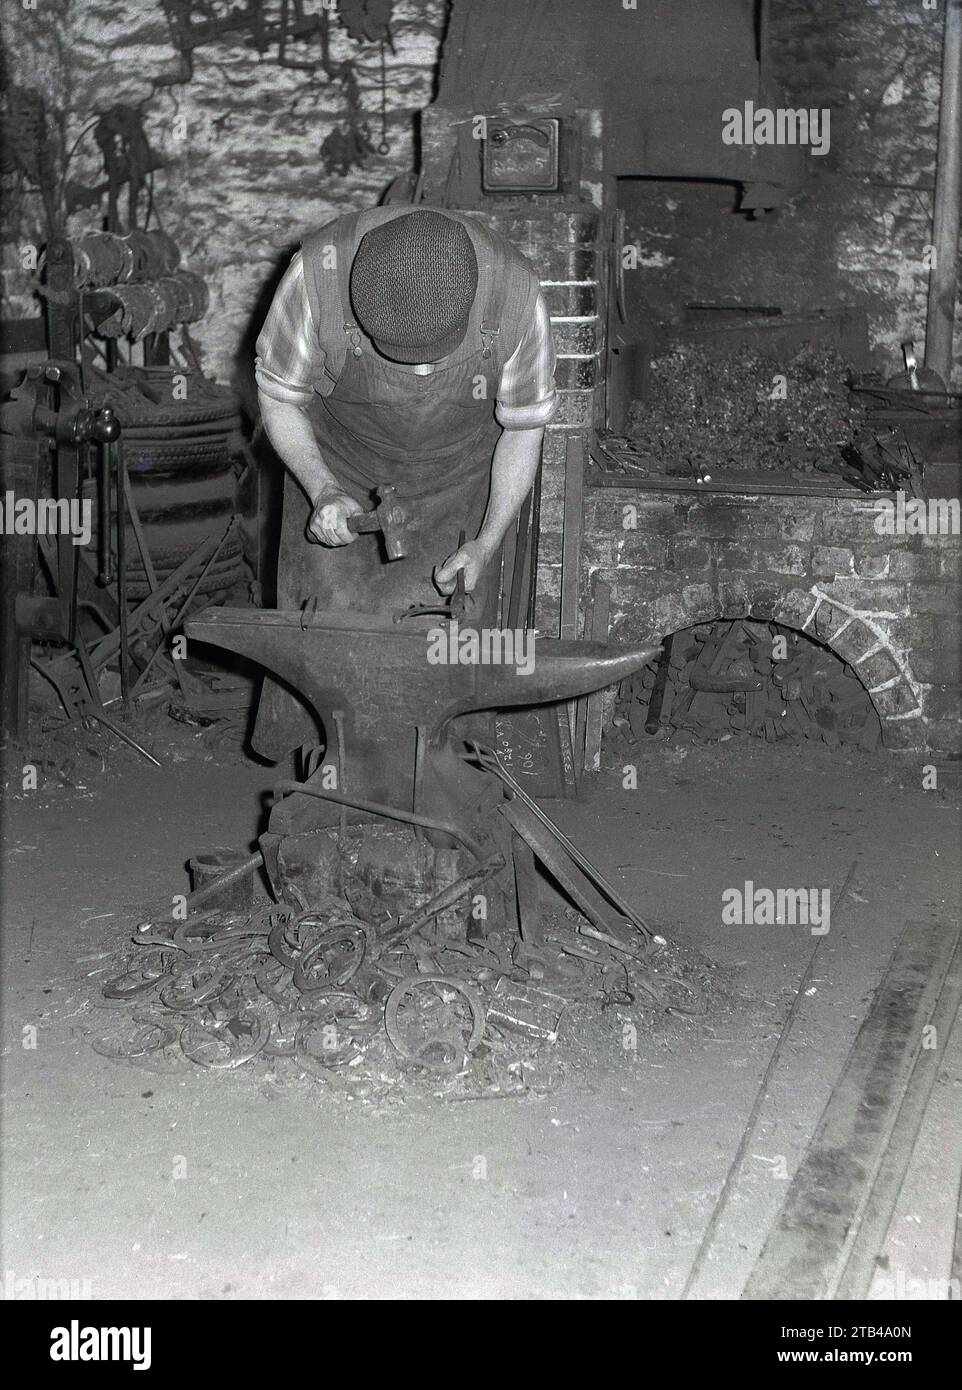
(562, 670)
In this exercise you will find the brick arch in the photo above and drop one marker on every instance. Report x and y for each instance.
(856, 637)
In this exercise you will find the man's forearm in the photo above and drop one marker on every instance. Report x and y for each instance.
(513, 468)
(289, 430)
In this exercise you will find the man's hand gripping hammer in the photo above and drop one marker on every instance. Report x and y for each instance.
(388, 517)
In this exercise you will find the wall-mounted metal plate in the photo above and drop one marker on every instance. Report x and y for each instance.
(520, 154)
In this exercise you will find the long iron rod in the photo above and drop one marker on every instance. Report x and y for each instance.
(116, 450)
(943, 277)
(183, 608)
(124, 737)
(377, 808)
(486, 755)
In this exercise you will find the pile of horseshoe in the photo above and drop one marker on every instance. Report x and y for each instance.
(320, 992)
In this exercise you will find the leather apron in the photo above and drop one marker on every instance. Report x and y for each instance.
(430, 435)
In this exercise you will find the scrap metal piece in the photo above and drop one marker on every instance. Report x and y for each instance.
(278, 942)
(342, 1037)
(444, 1053)
(489, 758)
(221, 1044)
(152, 1035)
(275, 981)
(282, 1038)
(204, 937)
(198, 984)
(331, 975)
(406, 988)
(129, 985)
(526, 1009)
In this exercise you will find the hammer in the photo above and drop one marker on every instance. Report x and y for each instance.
(387, 517)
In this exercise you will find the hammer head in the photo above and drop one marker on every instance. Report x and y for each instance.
(392, 522)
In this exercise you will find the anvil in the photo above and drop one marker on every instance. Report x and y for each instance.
(384, 685)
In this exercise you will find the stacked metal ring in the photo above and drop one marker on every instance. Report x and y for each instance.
(104, 258)
(100, 259)
(198, 294)
(154, 306)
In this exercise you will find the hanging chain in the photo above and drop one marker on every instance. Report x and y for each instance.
(384, 147)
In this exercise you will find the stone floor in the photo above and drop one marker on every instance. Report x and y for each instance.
(207, 1185)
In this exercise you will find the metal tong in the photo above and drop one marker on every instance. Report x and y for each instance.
(453, 609)
(489, 760)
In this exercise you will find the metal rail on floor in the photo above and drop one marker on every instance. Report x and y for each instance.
(838, 1208)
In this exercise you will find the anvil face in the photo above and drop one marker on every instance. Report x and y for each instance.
(388, 681)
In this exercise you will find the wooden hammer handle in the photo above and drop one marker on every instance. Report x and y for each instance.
(363, 521)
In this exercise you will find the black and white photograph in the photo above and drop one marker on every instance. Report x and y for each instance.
(481, 667)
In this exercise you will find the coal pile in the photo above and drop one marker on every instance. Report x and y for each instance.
(748, 410)
(716, 680)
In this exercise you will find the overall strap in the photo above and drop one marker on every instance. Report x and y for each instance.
(512, 287)
(327, 256)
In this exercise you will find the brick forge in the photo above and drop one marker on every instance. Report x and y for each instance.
(889, 606)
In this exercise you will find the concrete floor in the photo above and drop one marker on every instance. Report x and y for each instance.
(197, 1184)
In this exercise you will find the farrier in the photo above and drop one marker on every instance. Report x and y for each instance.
(411, 348)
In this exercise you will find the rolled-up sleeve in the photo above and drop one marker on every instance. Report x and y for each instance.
(289, 358)
(527, 397)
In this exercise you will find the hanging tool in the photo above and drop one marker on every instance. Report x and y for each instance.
(383, 147)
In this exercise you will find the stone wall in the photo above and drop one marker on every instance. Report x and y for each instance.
(244, 178)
